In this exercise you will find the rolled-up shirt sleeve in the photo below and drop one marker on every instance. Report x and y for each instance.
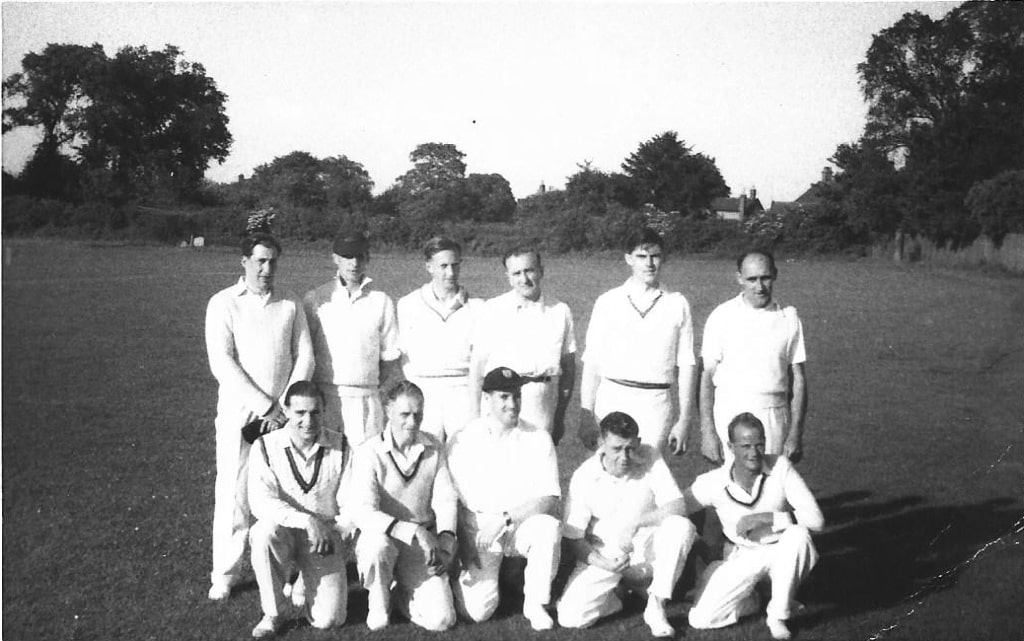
(445, 500)
(577, 511)
(805, 508)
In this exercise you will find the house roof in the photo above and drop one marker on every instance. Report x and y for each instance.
(733, 204)
(784, 206)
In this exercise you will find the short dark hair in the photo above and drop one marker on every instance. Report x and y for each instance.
(642, 236)
(308, 389)
(620, 424)
(403, 388)
(745, 419)
(439, 244)
(520, 250)
(757, 252)
(259, 238)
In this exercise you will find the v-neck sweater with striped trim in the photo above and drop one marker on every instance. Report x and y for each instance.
(394, 502)
(289, 489)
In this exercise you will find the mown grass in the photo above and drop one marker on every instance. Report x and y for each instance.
(914, 443)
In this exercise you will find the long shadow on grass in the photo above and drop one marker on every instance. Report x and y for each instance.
(878, 555)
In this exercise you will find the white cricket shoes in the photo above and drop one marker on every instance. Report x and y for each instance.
(267, 627)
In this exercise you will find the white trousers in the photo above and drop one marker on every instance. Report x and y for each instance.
(658, 559)
(358, 410)
(726, 590)
(231, 516)
(445, 404)
(650, 408)
(538, 539)
(425, 598)
(276, 550)
(775, 420)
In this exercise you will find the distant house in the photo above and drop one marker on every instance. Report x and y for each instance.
(809, 197)
(738, 209)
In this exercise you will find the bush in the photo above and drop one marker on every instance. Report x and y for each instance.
(997, 204)
(24, 214)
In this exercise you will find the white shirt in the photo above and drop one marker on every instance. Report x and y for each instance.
(637, 337)
(753, 349)
(496, 470)
(436, 339)
(779, 489)
(351, 335)
(528, 336)
(257, 346)
(285, 487)
(607, 505)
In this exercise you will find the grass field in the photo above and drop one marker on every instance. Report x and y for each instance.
(914, 447)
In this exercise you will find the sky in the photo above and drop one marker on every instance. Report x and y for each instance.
(526, 90)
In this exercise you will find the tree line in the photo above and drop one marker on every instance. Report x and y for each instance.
(941, 155)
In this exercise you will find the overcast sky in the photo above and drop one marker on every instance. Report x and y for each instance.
(525, 90)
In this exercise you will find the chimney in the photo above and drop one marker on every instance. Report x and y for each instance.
(743, 204)
(753, 194)
(241, 178)
(826, 175)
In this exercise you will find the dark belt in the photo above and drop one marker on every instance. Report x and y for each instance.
(536, 379)
(640, 385)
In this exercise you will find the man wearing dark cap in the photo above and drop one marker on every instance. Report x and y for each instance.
(355, 340)
(506, 476)
(258, 344)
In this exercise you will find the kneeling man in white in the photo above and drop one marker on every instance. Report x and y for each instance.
(298, 478)
(624, 519)
(767, 515)
(506, 476)
(405, 510)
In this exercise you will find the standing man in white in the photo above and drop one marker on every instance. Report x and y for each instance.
(506, 476)
(625, 520)
(355, 339)
(767, 515)
(753, 353)
(258, 343)
(640, 344)
(436, 327)
(298, 486)
(533, 334)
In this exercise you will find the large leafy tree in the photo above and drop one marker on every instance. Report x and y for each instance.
(944, 96)
(490, 198)
(666, 173)
(594, 190)
(437, 190)
(139, 123)
(868, 190)
(436, 165)
(302, 180)
(50, 92)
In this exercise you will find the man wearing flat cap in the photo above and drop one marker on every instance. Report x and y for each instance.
(355, 340)
(506, 477)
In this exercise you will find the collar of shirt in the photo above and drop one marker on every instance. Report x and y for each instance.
(770, 307)
(308, 457)
(406, 462)
(444, 308)
(241, 289)
(748, 498)
(640, 294)
(341, 290)
(523, 304)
